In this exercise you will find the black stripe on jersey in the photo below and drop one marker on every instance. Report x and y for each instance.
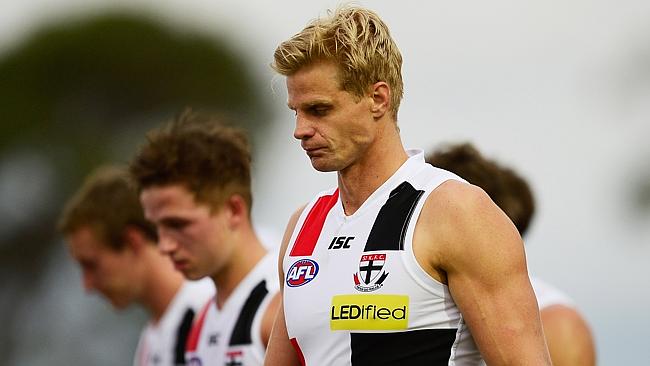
(241, 333)
(417, 347)
(181, 337)
(389, 229)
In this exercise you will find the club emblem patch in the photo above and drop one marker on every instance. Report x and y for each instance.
(371, 274)
(234, 358)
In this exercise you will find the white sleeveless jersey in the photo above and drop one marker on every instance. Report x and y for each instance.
(354, 293)
(231, 336)
(163, 343)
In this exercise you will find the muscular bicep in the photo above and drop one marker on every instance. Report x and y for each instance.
(498, 305)
(481, 255)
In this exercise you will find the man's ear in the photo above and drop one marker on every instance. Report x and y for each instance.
(134, 239)
(237, 210)
(380, 93)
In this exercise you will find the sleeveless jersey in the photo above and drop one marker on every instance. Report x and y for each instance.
(163, 343)
(231, 336)
(354, 293)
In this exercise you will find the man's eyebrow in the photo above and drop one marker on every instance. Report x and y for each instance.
(311, 104)
(173, 219)
(319, 103)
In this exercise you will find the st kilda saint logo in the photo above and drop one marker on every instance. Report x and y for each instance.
(301, 272)
(371, 274)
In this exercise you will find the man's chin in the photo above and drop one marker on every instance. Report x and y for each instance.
(119, 304)
(323, 166)
(193, 275)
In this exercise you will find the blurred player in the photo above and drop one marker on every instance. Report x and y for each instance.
(115, 246)
(567, 333)
(403, 263)
(195, 182)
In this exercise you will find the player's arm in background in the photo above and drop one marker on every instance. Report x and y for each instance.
(465, 240)
(280, 352)
(568, 336)
(269, 318)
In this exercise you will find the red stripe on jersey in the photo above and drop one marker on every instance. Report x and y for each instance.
(311, 228)
(301, 357)
(195, 333)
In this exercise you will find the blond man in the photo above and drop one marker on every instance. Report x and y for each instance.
(401, 263)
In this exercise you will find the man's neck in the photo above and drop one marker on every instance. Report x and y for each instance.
(358, 181)
(163, 283)
(247, 253)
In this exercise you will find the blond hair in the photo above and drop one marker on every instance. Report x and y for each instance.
(358, 40)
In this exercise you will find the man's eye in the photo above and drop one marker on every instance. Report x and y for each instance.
(88, 265)
(319, 111)
(175, 224)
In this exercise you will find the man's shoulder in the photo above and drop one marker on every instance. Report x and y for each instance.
(454, 199)
(258, 283)
(195, 294)
(330, 192)
(322, 201)
(459, 217)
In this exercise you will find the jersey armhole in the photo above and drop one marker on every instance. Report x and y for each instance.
(411, 264)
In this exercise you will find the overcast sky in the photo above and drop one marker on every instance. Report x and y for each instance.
(555, 89)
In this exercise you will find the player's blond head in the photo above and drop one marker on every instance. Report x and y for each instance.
(358, 41)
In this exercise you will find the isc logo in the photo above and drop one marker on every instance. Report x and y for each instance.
(339, 242)
(301, 272)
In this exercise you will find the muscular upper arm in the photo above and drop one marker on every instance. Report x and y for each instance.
(279, 351)
(568, 336)
(463, 239)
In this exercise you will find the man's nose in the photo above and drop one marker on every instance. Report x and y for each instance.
(304, 128)
(166, 244)
(88, 281)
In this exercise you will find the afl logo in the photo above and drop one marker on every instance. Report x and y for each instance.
(301, 272)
